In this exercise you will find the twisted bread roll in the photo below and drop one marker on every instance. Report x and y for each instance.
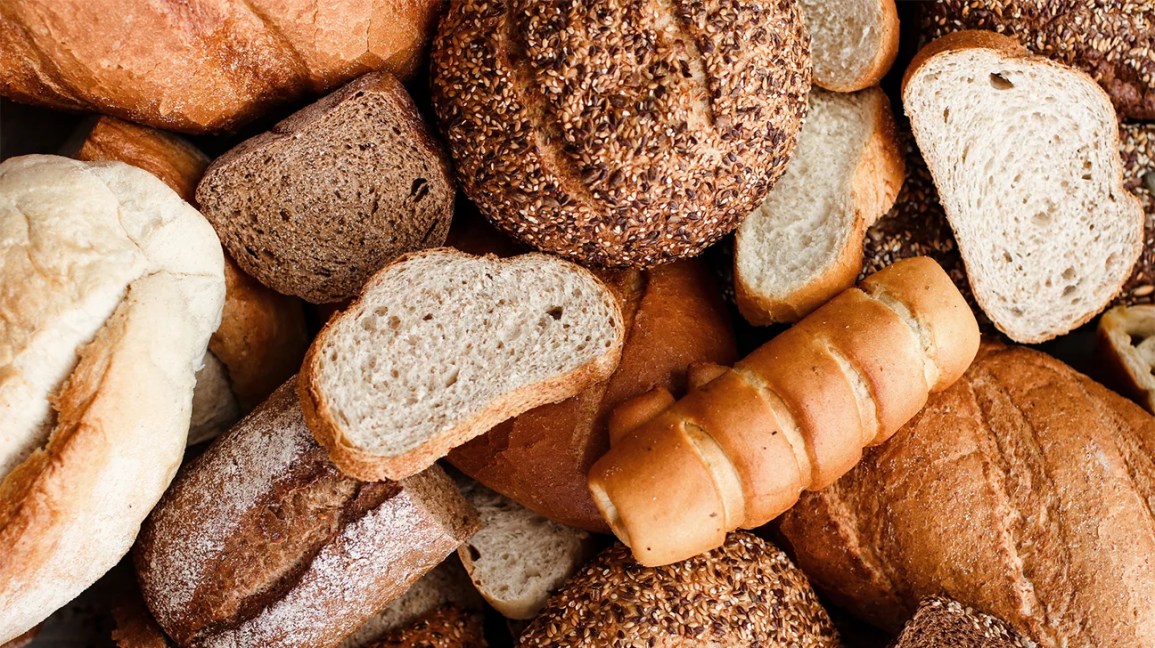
(793, 415)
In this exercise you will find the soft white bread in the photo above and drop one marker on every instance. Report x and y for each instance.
(518, 558)
(442, 345)
(803, 245)
(110, 286)
(1024, 153)
(852, 42)
(794, 415)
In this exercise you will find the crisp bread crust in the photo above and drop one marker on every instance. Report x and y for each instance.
(942, 622)
(660, 129)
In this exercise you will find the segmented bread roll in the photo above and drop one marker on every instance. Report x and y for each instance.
(793, 415)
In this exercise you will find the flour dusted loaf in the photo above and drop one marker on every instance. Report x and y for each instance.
(620, 132)
(441, 346)
(262, 541)
(111, 286)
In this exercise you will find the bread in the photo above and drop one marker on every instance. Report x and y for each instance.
(745, 593)
(447, 627)
(1051, 235)
(655, 134)
(791, 416)
(943, 622)
(135, 627)
(853, 44)
(23, 640)
(1112, 40)
(441, 346)
(294, 214)
(262, 541)
(262, 336)
(674, 317)
(803, 245)
(199, 65)
(1137, 149)
(1125, 346)
(518, 558)
(111, 288)
(1021, 491)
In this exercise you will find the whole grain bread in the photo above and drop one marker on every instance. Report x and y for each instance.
(1021, 491)
(660, 128)
(852, 43)
(941, 622)
(441, 346)
(332, 193)
(446, 627)
(262, 541)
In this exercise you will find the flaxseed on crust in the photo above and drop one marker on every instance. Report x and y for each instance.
(620, 132)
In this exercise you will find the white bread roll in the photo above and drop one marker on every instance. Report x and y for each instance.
(110, 286)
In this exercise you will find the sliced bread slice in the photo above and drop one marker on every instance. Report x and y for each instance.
(442, 346)
(1025, 155)
(852, 43)
(518, 558)
(803, 245)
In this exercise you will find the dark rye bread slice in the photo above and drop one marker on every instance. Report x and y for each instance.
(262, 542)
(941, 622)
(332, 193)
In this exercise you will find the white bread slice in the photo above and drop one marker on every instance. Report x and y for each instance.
(852, 42)
(803, 245)
(518, 558)
(442, 346)
(1025, 155)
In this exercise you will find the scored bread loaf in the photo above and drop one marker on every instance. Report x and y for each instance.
(1046, 228)
(942, 622)
(803, 245)
(201, 65)
(441, 346)
(852, 43)
(111, 287)
(1021, 491)
(262, 541)
(793, 415)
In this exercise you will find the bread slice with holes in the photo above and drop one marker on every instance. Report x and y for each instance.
(1025, 155)
(803, 245)
(852, 43)
(518, 558)
(442, 346)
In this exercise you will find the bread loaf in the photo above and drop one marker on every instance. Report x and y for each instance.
(674, 317)
(111, 287)
(794, 415)
(262, 541)
(853, 43)
(1021, 491)
(620, 132)
(201, 65)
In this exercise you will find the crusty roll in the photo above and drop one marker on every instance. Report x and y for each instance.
(674, 317)
(1023, 491)
(201, 65)
(110, 286)
(793, 415)
(262, 542)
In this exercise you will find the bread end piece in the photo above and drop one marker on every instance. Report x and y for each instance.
(853, 44)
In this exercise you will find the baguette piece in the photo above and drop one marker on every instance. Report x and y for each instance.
(441, 346)
(852, 43)
(1021, 491)
(794, 415)
(201, 65)
(1046, 228)
(333, 551)
(942, 622)
(803, 245)
(745, 593)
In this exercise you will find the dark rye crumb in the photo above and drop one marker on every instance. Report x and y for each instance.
(745, 593)
(620, 132)
(943, 622)
(1112, 40)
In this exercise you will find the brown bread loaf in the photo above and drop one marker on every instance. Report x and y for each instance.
(201, 65)
(1022, 491)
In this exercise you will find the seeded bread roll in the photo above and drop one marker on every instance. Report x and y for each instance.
(745, 593)
(941, 622)
(660, 128)
(446, 627)
(262, 541)
(332, 193)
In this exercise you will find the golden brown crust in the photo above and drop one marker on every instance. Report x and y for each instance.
(447, 627)
(883, 57)
(169, 157)
(1124, 347)
(970, 39)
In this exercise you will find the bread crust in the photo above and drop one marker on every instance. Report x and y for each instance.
(446, 627)
(883, 57)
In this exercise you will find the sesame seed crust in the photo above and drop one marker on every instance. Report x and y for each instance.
(745, 593)
(620, 132)
(1112, 40)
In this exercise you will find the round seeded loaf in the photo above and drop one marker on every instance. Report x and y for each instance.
(620, 132)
